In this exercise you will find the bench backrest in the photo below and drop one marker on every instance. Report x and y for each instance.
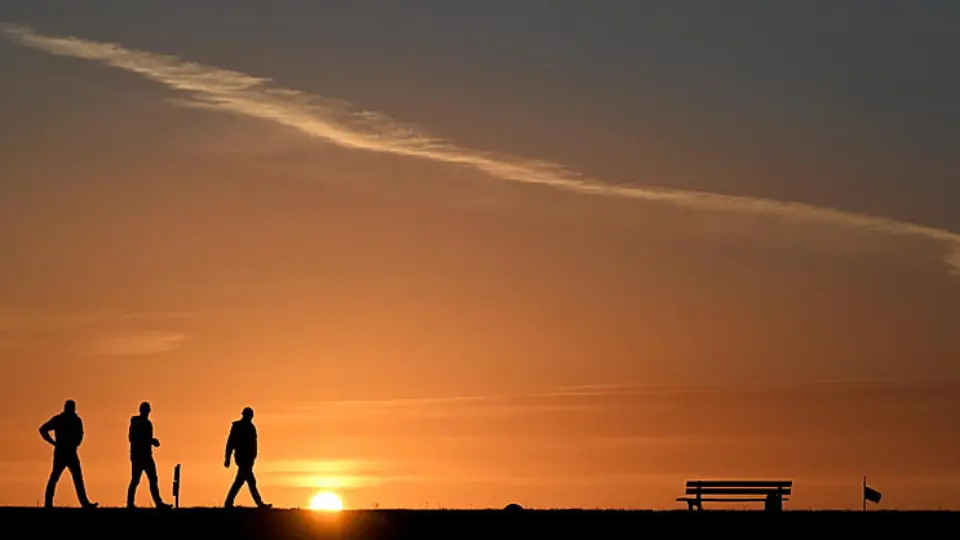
(738, 487)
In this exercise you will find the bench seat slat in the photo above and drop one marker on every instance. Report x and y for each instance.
(726, 500)
(740, 483)
(736, 491)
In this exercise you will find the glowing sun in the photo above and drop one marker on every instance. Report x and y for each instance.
(326, 501)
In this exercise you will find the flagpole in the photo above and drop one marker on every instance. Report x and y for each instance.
(863, 494)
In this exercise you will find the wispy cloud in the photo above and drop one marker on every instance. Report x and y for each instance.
(438, 406)
(140, 344)
(343, 124)
(16, 319)
(330, 474)
(324, 466)
(574, 397)
(450, 401)
(92, 332)
(322, 474)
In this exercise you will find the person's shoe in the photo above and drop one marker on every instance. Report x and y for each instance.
(90, 504)
(228, 505)
(131, 506)
(164, 506)
(264, 506)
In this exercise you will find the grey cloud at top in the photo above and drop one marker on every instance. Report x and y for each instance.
(340, 123)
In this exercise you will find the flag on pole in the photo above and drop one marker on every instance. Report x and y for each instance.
(872, 495)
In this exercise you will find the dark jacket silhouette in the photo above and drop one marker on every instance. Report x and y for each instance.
(142, 442)
(242, 441)
(242, 445)
(67, 428)
(141, 437)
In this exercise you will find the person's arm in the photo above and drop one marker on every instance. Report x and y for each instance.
(153, 440)
(45, 430)
(231, 445)
(79, 431)
(132, 432)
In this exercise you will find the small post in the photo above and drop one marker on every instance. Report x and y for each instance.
(176, 486)
(863, 494)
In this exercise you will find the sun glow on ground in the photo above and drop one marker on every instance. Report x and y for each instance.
(326, 501)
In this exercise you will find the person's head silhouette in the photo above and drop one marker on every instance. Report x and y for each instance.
(144, 409)
(247, 414)
(70, 407)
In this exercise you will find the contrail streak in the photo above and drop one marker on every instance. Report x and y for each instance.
(341, 123)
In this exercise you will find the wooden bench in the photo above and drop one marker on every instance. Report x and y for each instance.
(771, 492)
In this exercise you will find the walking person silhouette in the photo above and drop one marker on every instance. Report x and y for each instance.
(142, 443)
(67, 428)
(242, 443)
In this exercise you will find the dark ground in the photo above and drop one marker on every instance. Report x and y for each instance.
(103, 523)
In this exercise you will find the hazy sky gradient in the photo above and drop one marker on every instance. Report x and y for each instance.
(206, 260)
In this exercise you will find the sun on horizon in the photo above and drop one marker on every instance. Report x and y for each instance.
(326, 501)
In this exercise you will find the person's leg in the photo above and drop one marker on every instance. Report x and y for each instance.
(235, 488)
(136, 471)
(151, 470)
(73, 463)
(58, 466)
(252, 484)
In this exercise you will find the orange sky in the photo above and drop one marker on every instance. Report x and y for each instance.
(412, 332)
(174, 289)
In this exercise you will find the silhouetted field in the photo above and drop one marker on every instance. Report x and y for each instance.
(245, 524)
